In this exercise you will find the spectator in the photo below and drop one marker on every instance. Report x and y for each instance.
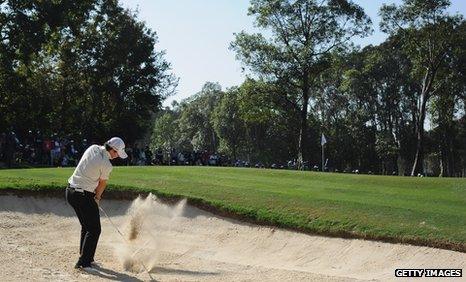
(56, 151)
(2, 146)
(159, 157)
(173, 157)
(142, 157)
(148, 155)
(205, 158)
(181, 158)
(11, 144)
(38, 148)
(47, 148)
(129, 159)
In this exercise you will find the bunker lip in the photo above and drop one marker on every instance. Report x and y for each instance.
(126, 193)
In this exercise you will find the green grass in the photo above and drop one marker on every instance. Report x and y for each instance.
(423, 211)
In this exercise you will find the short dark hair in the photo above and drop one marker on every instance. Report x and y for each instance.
(108, 147)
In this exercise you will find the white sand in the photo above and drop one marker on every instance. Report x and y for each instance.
(39, 239)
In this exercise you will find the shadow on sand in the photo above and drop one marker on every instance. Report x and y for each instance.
(52, 205)
(166, 270)
(109, 274)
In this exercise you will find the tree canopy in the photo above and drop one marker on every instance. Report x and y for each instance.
(305, 78)
(303, 34)
(79, 68)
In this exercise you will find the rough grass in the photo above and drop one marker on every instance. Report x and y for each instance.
(422, 211)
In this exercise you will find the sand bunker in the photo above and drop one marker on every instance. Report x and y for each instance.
(40, 239)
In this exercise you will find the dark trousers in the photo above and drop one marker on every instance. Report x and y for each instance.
(88, 214)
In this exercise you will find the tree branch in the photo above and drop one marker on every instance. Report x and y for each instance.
(436, 87)
(407, 34)
(334, 45)
(282, 32)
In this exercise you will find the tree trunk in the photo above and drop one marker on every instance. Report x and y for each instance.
(446, 151)
(451, 163)
(444, 157)
(426, 87)
(303, 122)
(401, 165)
(442, 167)
(214, 142)
(417, 166)
(234, 152)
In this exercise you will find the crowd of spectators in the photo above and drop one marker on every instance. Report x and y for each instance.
(175, 157)
(37, 150)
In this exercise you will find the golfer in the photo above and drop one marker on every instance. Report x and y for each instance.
(84, 191)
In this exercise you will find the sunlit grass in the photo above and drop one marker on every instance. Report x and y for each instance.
(429, 211)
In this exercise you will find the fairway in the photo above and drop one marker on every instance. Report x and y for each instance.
(420, 211)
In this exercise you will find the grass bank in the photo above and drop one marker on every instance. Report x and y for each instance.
(421, 211)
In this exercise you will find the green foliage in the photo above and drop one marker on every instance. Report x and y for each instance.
(445, 107)
(228, 124)
(377, 96)
(270, 125)
(195, 122)
(303, 33)
(428, 39)
(85, 68)
(256, 101)
(367, 102)
(242, 122)
(165, 132)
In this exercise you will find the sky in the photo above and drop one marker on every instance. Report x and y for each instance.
(196, 34)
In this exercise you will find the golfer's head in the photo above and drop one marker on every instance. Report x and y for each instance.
(116, 147)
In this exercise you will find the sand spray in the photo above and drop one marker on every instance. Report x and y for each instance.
(143, 241)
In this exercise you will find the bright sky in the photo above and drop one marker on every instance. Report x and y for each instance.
(196, 34)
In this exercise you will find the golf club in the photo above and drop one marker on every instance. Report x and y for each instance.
(124, 239)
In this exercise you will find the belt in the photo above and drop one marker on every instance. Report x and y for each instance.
(76, 189)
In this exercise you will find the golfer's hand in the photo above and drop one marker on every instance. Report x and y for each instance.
(97, 200)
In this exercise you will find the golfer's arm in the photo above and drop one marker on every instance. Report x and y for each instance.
(100, 188)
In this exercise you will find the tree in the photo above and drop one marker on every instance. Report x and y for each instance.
(196, 125)
(387, 70)
(228, 123)
(81, 68)
(125, 77)
(165, 132)
(445, 106)
(379, 90)
(303, 33)
(25, 27)
(269, 127)
(427, 36)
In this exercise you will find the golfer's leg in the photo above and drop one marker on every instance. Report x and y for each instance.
(92, 225)
(81, 208)
(75, 200)
(96, 229)
(81, 241)
(79, 212)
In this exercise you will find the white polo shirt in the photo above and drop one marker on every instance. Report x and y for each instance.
(94, 165)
